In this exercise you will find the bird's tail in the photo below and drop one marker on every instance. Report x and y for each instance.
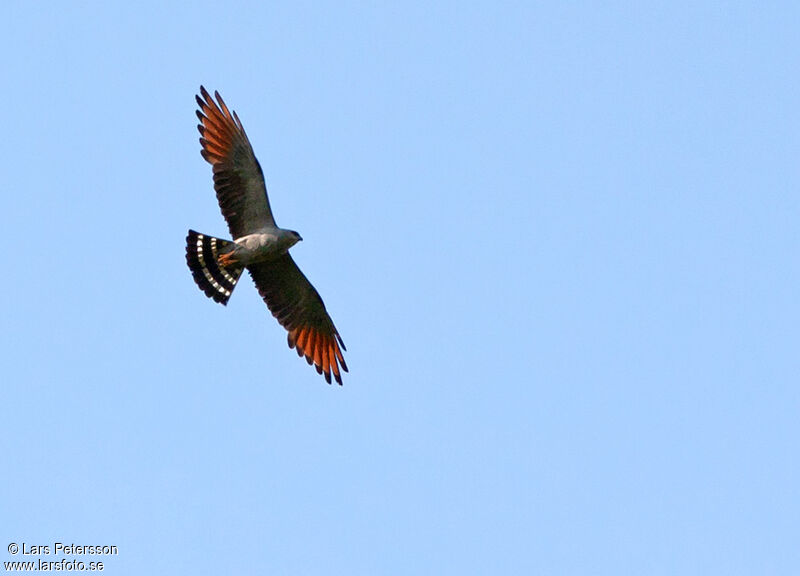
(213, 278)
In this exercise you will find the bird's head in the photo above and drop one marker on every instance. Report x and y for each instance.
(291, 237)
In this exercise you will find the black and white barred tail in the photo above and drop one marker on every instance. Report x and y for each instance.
(216, 280)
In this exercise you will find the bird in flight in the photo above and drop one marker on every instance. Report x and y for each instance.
(258, 243)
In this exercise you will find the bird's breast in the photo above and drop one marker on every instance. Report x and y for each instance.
(257, 248)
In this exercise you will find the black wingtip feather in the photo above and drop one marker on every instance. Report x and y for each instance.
(220, 101)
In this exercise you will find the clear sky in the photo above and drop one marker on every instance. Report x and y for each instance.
(560, 240)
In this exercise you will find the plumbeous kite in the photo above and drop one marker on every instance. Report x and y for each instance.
(258, 243)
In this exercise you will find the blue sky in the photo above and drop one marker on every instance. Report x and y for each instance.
(559, 240)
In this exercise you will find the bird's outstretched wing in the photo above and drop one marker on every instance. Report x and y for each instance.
(238, 178)
(298, 307)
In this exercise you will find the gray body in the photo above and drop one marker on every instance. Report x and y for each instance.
(264, 246)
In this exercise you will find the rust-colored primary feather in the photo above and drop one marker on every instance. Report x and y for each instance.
(321, 350)
(218, 130)
(326, 365)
